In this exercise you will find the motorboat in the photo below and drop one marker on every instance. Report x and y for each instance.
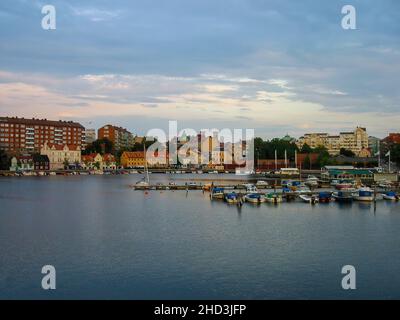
(262, 184)
(343, 196)
(232, 198)
(273, 197)
(391, 195)
(309, 199)
(254, 198)
(344, 184)
(364, 194)
(312, 181)
(217, 193)
(325, 197)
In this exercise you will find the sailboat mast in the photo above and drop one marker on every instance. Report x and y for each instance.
(145, 164)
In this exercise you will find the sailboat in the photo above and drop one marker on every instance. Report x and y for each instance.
(145, 182)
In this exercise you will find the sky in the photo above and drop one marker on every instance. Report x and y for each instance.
(277, 66)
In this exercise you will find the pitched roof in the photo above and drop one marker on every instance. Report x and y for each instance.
(133, 155)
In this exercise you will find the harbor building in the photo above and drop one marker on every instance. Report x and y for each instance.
(98, 161)
(27, 136)
(120, 137)
(356, 141)
(133, 159)
(59, 155)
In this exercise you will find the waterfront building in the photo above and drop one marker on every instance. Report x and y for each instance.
(92, 161)
(97, 161)
(356, 141)
(41, 162)
(60, 156)
(120, 137)
(21, 136)
(22, 163)
(133, 159)
(363, 175)
(306, 160)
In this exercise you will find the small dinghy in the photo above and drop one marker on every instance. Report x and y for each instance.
(273, 197)
(232, 198)
(254, 198)
(308, 199)
(391, 196)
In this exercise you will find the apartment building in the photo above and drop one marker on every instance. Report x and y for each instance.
(120, 137)
(27, 136)
(356, 141)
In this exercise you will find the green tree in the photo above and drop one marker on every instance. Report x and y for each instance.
(4, 161)
(395, 153)
(101, 146)
(306, 149)
(347, 153)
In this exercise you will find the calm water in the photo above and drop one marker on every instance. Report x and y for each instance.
(108, 241)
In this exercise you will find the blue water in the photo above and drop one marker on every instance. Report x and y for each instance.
(110, 242)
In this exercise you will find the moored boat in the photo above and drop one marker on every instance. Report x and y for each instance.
(344, 184)
(273, 197)
(343, 196)
(364, 194)
(217, 193)
(312, 181)
(254, 198)
(324, 197)
(391, 195)
(232, 198)
(309, 199)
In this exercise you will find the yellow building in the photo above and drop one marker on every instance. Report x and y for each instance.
(356, 141)
(133, 159)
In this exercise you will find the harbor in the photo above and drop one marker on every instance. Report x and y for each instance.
(180, 244)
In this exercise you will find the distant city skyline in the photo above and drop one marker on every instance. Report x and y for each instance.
(280, 67)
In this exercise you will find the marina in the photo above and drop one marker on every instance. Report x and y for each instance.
(178, 244)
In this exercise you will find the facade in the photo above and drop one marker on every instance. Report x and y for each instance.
(120, 137)
(22, 163)
(133, 159)
(60, 155)
(20, 135)
(306, 160)
(41, 162)
(97, 161)
(355, 141)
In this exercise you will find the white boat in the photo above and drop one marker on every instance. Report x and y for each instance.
(312, 181)
(364, 194)
(391, 196)
(254, 198)
(250, 188)
(303, 190)
(309, 199)
(145, 182)
(262, 184)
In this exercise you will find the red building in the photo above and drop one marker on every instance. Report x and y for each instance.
(393, 138)
(121, 138)
(20, 135)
